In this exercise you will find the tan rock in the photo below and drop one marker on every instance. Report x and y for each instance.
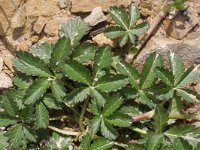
(34, 39)
(19, 18)
(63, 3)
(95, 17)
(51, 28)
(1, 64)
(88, 5)
(35, 8)
(179, 26)
(5, 81)
(8, 59)
(24, 46)
(39, 25)
(101, 39)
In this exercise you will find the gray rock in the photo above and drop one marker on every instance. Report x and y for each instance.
(63, 3)
(95, 17)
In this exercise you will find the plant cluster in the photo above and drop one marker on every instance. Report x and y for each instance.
(77, 95)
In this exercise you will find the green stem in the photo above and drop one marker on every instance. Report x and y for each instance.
(65, 132)
(81, 124)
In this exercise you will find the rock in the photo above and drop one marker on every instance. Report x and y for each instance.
(6, 13)
(5, 81)
(39, 25)
(190, 53)
(45, 8)
(8, 59)
(95, 17)
(34, 39)
(88, 5)
(19, 18)
(1, 64)
(51, 28)
(179, 26)
(101, 39)
(24, 46)
(63, 3)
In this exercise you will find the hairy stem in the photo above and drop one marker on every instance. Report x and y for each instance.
(65, 132)
(81, 124)
(138, 130)
(121, 145)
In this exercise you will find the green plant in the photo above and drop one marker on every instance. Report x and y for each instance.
(76, 95)
(126, 28)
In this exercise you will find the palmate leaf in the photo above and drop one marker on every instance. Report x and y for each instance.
(94, 107)
(77, 95)
(22, 81)
(165, 76)
(9, 102)
(85, 142)
(188, 95)
(191, 75)
(112, 105)
(160, 118)
(135, 147)
(108, 131)
(75, 30)
(36, 90)
(123, 40)
(180, 144)
(30, 65)
(58, 90)
(27, 114)
(42, 115)
(154, 141)
(84, 53)
(108, 84)
(43, 51)
(128, 70)
(60, 52)
(3, 141)
(119, 120)
(50, 102)
(148, 72)
(95, 124)
(189, 133)
(59, 142)
(76, 72)
(29, 134)
(115, 32)
(120, 16)
(177, 67)
(139, 29)
(103, 59)
(134, 15)
(146, 99)
(98, 96)
(16, 136)
(6, 119)
(101, 144)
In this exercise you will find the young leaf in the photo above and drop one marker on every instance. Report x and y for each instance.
(75, 30)
(60, 51)
(58, 90)
(84, 53)
(42, 115)
(30, 65)
(76, 72)
(148, 72)
(101, 144)
(120, 16)
(177, 67)
(36, 90)
(77, 95)
(160, 118)
(108, 131)
(43, 51)
(112, 105)
(154, 141)
(108, 84)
